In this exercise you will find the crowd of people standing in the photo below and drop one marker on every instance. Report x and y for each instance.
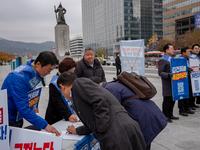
(186, 106)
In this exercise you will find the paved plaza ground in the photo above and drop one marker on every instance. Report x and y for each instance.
(182, 134)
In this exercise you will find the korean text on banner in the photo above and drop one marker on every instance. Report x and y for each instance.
(195, 76)
(33, 97)
(4, 128)
(30, 139)
(132, 56)
(179, 80)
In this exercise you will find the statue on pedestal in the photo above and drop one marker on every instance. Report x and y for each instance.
(61, 11)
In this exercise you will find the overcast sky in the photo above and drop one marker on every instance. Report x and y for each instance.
(34, 20)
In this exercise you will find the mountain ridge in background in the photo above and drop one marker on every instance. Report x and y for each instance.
(19, 47)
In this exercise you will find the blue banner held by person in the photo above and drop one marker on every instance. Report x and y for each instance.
(180, 88)
(132, 56)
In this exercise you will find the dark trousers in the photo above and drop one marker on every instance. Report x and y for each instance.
(183, 105)
(198, 100)
(167, 106)
(20, 124)
(118, 70)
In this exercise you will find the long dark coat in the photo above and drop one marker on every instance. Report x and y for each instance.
(150, 118)
(164, 71)
(109, 122)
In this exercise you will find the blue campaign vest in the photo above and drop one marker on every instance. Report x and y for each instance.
(167, 58)
(68, 103)
(32, 77)
(193, 56)
(188, 64)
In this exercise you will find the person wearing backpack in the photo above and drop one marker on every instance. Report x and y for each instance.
(101, 114)
(164, 72)
(149, 117)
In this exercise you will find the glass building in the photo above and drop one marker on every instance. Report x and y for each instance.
(178, 17)
(76, 46)
(106, 22)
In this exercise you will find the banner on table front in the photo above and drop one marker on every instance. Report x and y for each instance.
(4, 128)
(34, 140)
(180, 88)
(132, 56)
(88, 143)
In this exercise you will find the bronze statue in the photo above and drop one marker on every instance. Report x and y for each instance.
(61, 11)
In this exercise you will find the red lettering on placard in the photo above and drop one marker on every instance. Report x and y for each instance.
(51, 147)
(28, 146)
(1, 115)
(35, 148)
(19, 145)
(32, 146)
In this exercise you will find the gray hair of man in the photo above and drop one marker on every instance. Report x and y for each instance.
(89, 49)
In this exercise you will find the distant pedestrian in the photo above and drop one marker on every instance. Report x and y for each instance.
(164, 72)
(104, 61)
(118, 63)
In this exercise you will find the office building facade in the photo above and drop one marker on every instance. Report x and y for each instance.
(106, 22)
(178, 17)
(76, 46)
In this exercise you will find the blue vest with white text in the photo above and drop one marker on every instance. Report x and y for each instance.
(68, 103)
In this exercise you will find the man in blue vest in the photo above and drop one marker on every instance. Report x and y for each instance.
(194, 55)
(22, 80)
(164, 72)
(183, 105)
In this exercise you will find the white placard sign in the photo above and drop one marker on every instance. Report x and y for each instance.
(24, 139)
(4, 128)
(195, 76)
(194, 64)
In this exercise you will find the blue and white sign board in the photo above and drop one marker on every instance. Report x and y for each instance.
(33, 99)
(88, 143)
(132, 56)
(195, 77)
(4, 128)
(180, 88)
(197, 20)
(24, 139)
(195, 80)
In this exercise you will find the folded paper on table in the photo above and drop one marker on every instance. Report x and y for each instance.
(68, 136)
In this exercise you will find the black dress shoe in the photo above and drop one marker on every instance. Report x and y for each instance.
(195, 106)
(190, 112)
(174, 118)
(183, 113)
(192, 108)
(169, 120)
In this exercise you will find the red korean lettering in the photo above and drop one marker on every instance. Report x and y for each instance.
(19, 145)
(35, 148)
(28, 146)
(1, 115)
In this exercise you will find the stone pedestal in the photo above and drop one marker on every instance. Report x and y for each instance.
(62, 41)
